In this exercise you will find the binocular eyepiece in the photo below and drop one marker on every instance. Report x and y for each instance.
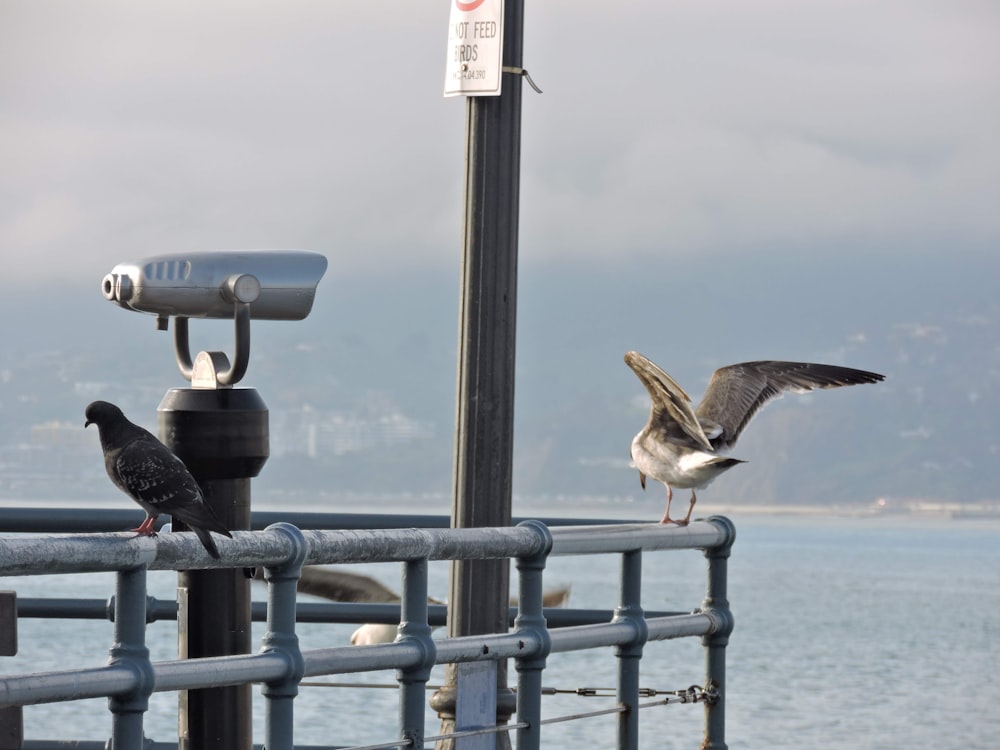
(278, 284)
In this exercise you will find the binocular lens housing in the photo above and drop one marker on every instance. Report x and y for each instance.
(280, 284)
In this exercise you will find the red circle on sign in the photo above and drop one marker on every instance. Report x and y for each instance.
(466, 7)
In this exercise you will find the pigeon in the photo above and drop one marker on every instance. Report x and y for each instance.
(144, 469)
(684, 447)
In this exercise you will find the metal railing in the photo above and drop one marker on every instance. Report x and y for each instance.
(130, 677)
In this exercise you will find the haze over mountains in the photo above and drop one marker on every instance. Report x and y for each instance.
(361, 394)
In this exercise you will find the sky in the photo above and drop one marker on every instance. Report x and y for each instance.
(666, 130)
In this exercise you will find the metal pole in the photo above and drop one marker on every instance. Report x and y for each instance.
(530, 622)
(282, 581)
(130, 649)
(413, 626)
(715, 644)
(630, 654)
(222, 437)
(485, 410)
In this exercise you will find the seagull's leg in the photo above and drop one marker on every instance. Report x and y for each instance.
(670, 496)
(687, 518)
(146, 527)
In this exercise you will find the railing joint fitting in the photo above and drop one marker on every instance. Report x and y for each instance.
(136, 661)
(291, 567)
(725, 547)
(545, 537)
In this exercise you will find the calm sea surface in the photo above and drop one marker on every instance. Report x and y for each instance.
(850, 633)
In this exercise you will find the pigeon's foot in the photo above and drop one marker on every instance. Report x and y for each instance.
(146, 527)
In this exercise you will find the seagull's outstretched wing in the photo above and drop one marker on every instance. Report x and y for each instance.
(737, 392)
(671, 413)
(341, 586)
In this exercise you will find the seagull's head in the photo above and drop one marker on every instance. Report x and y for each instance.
(102, 413)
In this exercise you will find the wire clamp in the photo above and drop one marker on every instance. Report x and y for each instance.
(521, 72)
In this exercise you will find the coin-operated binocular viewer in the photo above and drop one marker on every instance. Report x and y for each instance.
(221, 434)
(258, 284)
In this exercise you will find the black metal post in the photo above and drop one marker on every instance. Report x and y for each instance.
(222, 437)
(484, 432)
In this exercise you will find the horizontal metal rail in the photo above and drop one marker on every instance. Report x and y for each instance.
(57, 520)
(188, 674)
(110, 552)
(130, 676)
(333, 612)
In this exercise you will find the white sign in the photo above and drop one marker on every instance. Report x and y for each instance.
(475, 703)
(475, 48)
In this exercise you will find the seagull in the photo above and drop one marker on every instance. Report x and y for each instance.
(684, 447)
(144, 469)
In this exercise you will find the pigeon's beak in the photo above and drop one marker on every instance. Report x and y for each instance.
(87, 424)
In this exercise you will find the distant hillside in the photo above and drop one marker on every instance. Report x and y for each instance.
(362, 393)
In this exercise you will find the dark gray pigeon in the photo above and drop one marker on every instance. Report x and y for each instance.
(144, 469)
(684, 447)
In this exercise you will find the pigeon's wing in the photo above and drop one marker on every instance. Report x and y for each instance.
(737, 392)
(161, 483)
(154, 476)
(671, 413)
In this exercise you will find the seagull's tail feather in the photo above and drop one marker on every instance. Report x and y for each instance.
(727, 462)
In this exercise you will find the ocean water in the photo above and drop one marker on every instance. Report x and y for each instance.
(850, 632)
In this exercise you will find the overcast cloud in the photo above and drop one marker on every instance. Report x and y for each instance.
(666, 129)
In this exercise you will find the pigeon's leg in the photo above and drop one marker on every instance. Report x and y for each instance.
(670, 496)
(146, 527)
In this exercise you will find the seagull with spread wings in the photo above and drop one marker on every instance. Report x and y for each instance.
(684, 447)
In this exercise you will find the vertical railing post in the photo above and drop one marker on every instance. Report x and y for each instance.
(530, 622)
(282, 581)
(715, 643)
(629, 654)
(129, 650)
(413, 626)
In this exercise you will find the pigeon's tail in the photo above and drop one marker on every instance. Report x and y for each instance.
(206, 539)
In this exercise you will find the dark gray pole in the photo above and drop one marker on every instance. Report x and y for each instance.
(484, 435)
(222, 437)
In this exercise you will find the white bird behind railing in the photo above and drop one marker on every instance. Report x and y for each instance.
(373, 633)
(340, 586)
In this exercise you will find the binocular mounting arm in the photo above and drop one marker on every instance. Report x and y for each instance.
(212, 369)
